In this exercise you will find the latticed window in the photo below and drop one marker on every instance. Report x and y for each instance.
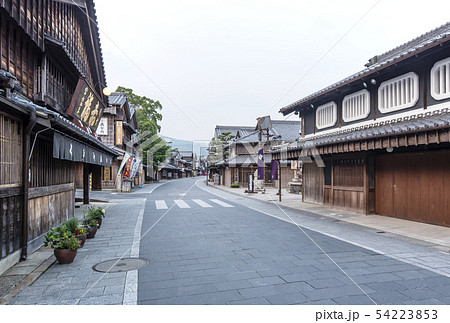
(356, 106)
(10, 151)
(440, 80)
(326, 115)
(399, 93)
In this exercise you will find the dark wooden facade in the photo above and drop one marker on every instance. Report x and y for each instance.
(10, 184)
(388, 162)
(46, 46)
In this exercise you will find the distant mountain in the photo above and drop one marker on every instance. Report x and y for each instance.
(199, 147)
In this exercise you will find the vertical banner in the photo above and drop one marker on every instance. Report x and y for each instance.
(119, 132)
(274, 170)
(260, 164)
(127, 170)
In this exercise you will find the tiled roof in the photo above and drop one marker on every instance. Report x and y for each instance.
(415, 123)
(64, 123)
(117, 98)
(284, 130)
(426, 41)
(232, 129)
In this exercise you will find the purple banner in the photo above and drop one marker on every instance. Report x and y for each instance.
(274, 170)
(260, 164)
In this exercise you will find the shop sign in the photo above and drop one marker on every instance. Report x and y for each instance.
(107, 174)
(102, 129)
(119, 132)
(86, 105)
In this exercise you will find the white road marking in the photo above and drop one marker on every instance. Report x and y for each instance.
(221, 203)
(182, 204)
(201, 203)
(161, 205)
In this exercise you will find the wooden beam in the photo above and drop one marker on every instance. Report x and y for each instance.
(49, 190)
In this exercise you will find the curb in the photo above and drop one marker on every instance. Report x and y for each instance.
(28, 280)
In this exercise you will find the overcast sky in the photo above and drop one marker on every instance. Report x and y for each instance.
(214, 62)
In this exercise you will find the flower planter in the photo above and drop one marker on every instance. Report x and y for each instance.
(65, 256)
(99, 222)
(91, 232)
(82, 238)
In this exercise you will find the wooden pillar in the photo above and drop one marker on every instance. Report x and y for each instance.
(85, 183)
(96, 177)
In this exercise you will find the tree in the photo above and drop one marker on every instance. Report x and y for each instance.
(217, 147)
(148, 115)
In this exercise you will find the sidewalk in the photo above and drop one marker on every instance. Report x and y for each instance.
(66, 284)
(432, 234)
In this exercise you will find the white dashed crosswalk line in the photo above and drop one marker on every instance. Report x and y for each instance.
(221, 203)
(182, 204)
(201, 203)
(161, 204)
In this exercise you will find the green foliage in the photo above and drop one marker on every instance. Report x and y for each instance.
(89, 222)
(235, 185)
(226, 136)
(72, 225)
(61, 238)
(96, 213)
(217, 151)
(148, 115)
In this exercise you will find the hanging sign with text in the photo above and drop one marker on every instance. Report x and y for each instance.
(86, 105)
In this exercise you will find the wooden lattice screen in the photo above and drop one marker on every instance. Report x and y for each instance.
(10, 185)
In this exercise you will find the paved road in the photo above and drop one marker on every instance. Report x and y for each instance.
(209, 249)
(206, 246)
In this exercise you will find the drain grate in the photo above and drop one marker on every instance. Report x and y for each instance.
(120, 265)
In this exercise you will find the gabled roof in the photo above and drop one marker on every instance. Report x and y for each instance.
(232, 129)
(283, 130)
(428, 40)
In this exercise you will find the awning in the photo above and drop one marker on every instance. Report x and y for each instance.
(67, 148)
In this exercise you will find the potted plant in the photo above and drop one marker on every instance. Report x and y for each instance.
(91, 226)
(77, 230)
(63, 243)
(97, 213)
(235, 185)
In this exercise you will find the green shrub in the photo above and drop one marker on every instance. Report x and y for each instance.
(61, 238)
(72, 225)
(235, 185)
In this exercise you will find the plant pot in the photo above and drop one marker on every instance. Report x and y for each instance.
(82, 238)
(91, 232)
(99, 222)
(65, 256)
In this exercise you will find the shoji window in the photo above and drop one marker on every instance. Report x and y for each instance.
(440, 80)
(399, 93)
(326, 115)
(356, 106)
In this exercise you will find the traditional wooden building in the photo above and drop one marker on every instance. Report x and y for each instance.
(51, 78)
(379, 140)
(118, 129)
(240, 156)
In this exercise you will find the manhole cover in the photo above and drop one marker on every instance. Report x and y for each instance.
(120, 265)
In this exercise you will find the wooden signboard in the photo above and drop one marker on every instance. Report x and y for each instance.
(119, 132)
(86, 105)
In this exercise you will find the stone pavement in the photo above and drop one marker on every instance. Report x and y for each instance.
(77, 283)
(240, 255)
(420, 244)
(426, 232)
